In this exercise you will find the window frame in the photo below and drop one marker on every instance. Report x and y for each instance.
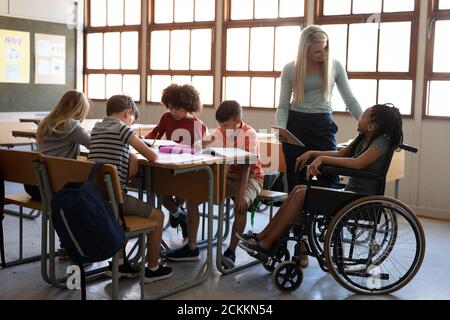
(433, 15)
(88, 29)
(194, 25)
(227, 23)
(408, 16)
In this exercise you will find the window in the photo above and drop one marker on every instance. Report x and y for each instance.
(181, 47)
(376, 41)
(437, 78)
(112, 46)
(260, 37)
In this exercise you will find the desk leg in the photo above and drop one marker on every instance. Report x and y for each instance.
(396, 188)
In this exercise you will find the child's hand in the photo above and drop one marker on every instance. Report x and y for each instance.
(240, 205)
(301, 161)
(313, 168)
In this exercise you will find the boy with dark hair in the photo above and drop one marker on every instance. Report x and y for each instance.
(110, 143)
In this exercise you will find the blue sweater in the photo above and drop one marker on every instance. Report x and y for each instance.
(314, 100)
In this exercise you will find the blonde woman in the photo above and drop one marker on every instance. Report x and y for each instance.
(59, 134)
(305, 101)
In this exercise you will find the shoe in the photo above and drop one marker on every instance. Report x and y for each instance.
(184, 254)
(303, 258)
(125, 270)
(255, 250)
(228, 259)
(62, 254)
(246, 236)
(160, 274)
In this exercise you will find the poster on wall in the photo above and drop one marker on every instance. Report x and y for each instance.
(14, 56)
(50, 56)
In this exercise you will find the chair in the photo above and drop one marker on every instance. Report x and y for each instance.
(17, 167)
(57, 172)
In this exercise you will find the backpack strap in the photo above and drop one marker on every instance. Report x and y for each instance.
(94, 170)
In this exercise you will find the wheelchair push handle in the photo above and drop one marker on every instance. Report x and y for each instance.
(408, 148)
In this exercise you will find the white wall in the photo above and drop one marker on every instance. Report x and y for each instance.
(47, 10)
(3, 7)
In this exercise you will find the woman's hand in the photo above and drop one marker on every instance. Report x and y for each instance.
(301, 161)
(313, 168)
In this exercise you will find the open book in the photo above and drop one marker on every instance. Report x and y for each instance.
(235, 155)
(156, 143)
(288, 136)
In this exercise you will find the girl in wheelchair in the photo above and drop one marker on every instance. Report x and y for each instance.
(380, 130)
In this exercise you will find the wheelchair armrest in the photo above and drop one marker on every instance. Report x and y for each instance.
(325, 169)
(409, 148)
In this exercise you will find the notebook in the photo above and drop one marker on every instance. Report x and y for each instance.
(233, 155)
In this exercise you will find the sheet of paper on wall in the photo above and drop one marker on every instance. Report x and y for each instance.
(288, 136)
(232, 155)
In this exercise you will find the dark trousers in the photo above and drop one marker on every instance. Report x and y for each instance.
(33, 191)
(318, 132)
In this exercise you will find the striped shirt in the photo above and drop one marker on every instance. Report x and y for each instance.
(109, 144)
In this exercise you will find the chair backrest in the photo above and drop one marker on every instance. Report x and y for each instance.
(17, 166)
(60, 171)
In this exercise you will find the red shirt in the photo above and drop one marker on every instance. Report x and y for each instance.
(244, 138)
(185, 131)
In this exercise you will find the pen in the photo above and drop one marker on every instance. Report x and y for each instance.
(156, 138)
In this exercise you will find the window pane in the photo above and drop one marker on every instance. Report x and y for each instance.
(157, 85)
(277, 91)
(237, 49)
(444, 4)
(336, 7)
(159, 54)
(286, 43)
(292, 8)
(438, 99)
(132, 86)
(181, 80)
(265, 9)
(261, 49)
(96, 86)
(441, 61)
(263, 92)
(336, 101)
(132, 12)
(94, 51)
(241, 9)
(365, 92)
(163, 11)
(130, 47)
(337, 35)
(201, 49)
(398, 92)
(394, 46)
(204, 85)
(362, 52)
(366, 6)
(98, 13)
(111, 54)
(205, 10)
(115, 12)
(238, 88)
(184, 10)
(398, 5)
(179, 50)
(113, 85)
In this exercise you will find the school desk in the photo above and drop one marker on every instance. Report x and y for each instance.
(7, 139)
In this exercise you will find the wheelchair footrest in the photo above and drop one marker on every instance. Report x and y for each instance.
(381, 276)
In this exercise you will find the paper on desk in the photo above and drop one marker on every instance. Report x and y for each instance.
(289, 136)
(184, 158)
(159, 143)
(232, 154)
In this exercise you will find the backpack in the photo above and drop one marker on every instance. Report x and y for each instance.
(86, 227)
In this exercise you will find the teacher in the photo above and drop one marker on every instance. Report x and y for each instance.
(305, 101)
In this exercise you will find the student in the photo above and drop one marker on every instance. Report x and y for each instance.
(180, 124)
(60, 134)
(380, 130)
(110, 141)
(244, 182)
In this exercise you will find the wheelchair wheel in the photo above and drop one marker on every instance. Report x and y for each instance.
(374, 245)
(316, 235)
(287, 276)
(282, 255)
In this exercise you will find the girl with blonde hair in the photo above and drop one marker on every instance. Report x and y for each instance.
(305, 101)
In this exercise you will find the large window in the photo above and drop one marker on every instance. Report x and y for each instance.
(112, 48)
(181, 34)
(376, 40)
(437, 80)
(260, 37)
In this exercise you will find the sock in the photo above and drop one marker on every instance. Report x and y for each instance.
(154, 268)
(176, 213)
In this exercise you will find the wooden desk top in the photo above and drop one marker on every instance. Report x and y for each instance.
(8, 139)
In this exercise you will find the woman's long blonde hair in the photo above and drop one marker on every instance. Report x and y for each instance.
(73, 105)
(310, 35)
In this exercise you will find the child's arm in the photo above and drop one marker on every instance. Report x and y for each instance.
(240, 201)
(303, 159)
(367, 158)
(133, 165)
(142, 148)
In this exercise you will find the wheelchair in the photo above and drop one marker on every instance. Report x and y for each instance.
(371, 244)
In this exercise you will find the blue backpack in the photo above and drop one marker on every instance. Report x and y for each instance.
(86, 227)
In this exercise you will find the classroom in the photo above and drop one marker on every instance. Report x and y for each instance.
(264, 150)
